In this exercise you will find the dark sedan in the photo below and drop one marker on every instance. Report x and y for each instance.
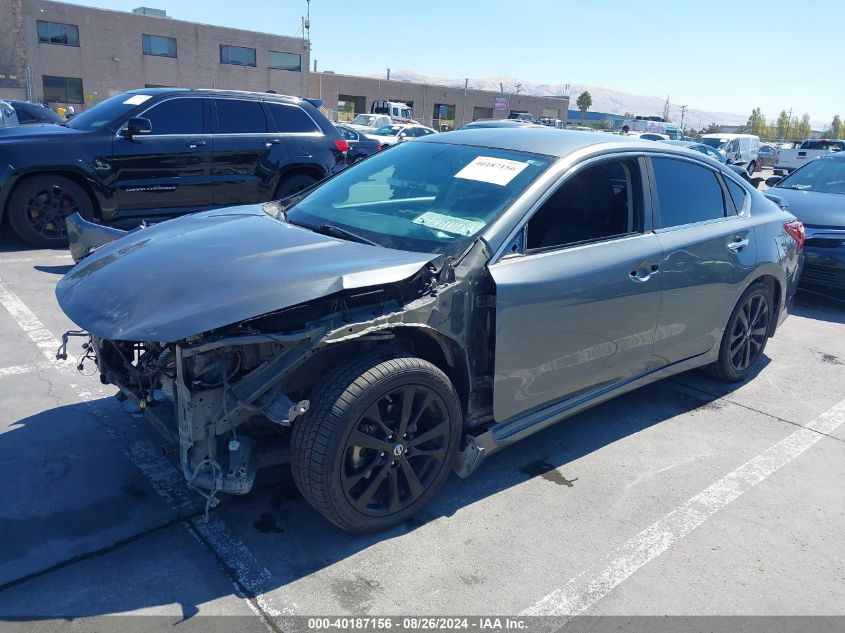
(360, 146)
(431, 305)
(815, 194)
(31, 113)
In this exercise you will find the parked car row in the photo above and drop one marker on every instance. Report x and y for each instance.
(430, 305)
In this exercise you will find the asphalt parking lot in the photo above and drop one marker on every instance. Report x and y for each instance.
(688, 497)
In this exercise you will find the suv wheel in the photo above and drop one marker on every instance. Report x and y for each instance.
(38, 207)
(745, 336)
(752, 167)
(378, 441)
(293, 184)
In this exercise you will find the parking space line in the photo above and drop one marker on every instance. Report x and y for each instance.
(250, 579)
(16, 370)
(586, 589)
(29, 323)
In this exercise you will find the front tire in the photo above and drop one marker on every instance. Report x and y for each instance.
(752, 168)
(378, 441)
(745, 336)
(39, 205)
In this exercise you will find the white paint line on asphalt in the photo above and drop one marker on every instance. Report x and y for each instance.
(23, 260)
(586, 589)
(164, 479)
(16, 370)
(30, 323)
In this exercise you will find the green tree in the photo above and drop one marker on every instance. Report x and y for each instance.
(713, 128)
(803, 127)
(782, 124)
(756, 123)
(585, 100)
(837, 128)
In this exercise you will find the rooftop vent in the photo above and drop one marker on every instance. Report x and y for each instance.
(158, 13)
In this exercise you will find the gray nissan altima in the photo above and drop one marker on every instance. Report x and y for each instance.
(429, 306)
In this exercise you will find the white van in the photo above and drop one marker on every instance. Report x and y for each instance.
(739, 149)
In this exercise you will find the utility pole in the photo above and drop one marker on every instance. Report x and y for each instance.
(466, 85)
(683, 110)
(518, 88)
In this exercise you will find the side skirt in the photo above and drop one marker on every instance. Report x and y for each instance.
(477, 447)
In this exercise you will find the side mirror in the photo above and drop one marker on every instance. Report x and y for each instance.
(403, 135)
(771, 181)
(137, 126)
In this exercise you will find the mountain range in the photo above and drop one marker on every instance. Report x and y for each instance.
(604, 99)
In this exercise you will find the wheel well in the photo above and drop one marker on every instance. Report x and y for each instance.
(79, 180)
(440, 351)
(309, 170)
(775, 291)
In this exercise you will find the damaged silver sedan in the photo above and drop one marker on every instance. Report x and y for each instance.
(428, 306)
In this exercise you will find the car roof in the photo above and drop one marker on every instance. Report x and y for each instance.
(268, 96)
(685, 143)
(538, 139)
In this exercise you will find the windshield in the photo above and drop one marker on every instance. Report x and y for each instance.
(718, 143)
(389, 130)
(426, 197)
(363, 119)
(821, 176)
(106, 111)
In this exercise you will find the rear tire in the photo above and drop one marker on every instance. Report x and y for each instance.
(378, 441)
(752, 168)
(745, 336)
(293, 184)
(39, 205)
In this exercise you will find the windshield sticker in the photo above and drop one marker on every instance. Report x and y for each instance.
(137, 99)
(497, 171)
(449, 224)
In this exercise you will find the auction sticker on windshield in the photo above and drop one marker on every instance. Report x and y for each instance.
(137, 99)
(497, 171)
(448, 223)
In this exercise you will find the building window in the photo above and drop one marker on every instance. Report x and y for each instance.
(284, 61)
(58, 33)
(237, 55)
(62, 89)
(158, 45)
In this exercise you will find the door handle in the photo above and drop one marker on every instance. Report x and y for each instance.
(195, 144)
(272, 141)
(643, 272)
(738, 245)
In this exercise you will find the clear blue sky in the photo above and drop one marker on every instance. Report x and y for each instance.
(719, 55)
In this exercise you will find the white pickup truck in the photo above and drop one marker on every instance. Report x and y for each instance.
(789, 160)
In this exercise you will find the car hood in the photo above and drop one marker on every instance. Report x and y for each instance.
(35, 131)
(204, 271)
(811, 207)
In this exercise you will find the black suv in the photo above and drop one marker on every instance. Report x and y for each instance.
(160, 152)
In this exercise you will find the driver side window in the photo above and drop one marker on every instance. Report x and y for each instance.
(596, 203)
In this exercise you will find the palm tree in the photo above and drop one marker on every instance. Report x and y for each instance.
(585, 100)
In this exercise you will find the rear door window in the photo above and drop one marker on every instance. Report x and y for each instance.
(237, 116)
(176, 116)
(291, 119)
(738, 194)
(687, 193)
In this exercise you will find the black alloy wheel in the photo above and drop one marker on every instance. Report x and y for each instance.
(395, 450)
(378, 441)
(745, 336)
(39, 206)
(750, 331)
(47, 209)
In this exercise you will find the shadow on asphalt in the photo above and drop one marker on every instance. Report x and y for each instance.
(77, 493)
(819, 307)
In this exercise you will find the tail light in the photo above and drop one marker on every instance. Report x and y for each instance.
(796, 231)
(341, 144)
(379, 147)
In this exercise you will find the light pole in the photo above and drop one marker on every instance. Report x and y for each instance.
(683, 110)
